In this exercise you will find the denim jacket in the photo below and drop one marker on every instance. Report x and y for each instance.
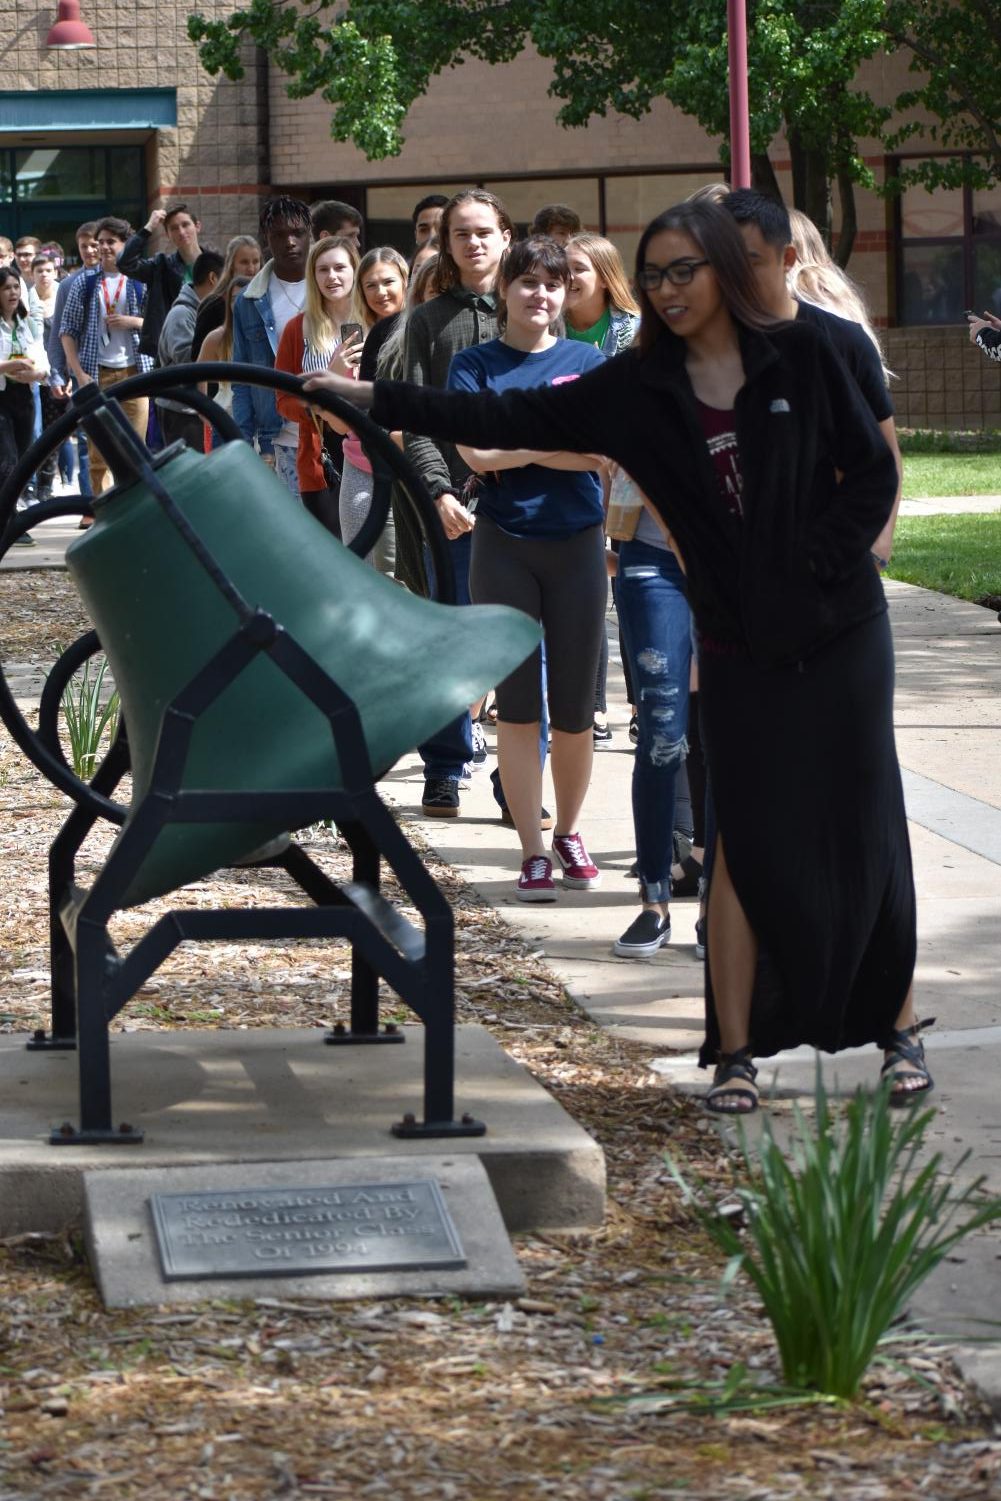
(255, 342)
(622, 329)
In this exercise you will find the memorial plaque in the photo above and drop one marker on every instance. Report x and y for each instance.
(283, 1232)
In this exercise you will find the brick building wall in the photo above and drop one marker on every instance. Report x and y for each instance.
(216, 157)
(486, 120)
(943, 380)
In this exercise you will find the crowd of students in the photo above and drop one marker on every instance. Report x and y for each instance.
(735, 384)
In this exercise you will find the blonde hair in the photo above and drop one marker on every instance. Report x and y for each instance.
(607, 262)
(426, 282)
(423, 286)
(318, 328)
(818, 279)
(228, 275)
(711, 192)
(236, 285)
(382, 255)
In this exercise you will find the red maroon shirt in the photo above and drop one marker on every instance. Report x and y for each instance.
(720, 429)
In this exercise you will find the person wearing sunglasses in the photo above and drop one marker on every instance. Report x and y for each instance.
(755, 448)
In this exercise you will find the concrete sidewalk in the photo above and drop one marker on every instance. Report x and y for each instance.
(51, 538)
(952, 505)
(948, 717)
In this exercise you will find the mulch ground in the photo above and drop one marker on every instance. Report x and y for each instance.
(605, 1381)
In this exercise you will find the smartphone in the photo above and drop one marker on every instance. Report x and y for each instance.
(969, 313)
(349, 330)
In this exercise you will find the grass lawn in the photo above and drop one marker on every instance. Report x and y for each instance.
(958, 555)
(951, 474)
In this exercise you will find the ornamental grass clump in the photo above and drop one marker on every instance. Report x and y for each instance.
(839, 1230)
(90, 714)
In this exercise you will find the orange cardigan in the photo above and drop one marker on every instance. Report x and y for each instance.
(309, 463)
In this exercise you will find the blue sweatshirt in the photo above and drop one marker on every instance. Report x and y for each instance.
(532, 501)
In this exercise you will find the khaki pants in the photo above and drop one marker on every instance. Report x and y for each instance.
(136, 411)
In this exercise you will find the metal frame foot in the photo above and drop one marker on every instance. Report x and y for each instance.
(342, 1036)
(45, 1042)
(410, 1128)
(67, 1135)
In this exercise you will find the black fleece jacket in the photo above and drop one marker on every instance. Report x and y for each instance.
(163, 275)
(796, 571)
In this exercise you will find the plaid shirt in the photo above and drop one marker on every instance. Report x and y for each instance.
(87, 334)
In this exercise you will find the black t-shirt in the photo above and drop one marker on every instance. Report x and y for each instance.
(377, 336)
(858, 352)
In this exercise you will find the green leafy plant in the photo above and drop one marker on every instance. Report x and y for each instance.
(920, 440)
(840, 1229)
(90, 714)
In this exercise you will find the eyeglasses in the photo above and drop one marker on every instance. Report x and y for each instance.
(678, 273)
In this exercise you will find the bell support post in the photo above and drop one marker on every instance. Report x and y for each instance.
(91, 981)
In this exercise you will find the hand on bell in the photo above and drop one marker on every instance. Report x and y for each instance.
(358, 392)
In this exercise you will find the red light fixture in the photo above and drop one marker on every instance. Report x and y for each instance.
(69, 34)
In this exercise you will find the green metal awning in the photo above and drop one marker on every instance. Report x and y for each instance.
(87, 109)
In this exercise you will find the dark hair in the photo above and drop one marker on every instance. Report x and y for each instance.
(748, 206)
(120, 228)
(89, 229)
(556, 216)
(328, 216)
(538, 252)
(284, 210)
(43, 258)
(11, 273)
(204, 264)
(719, 239)
(178, 208)
(433, 200)
(448, 271)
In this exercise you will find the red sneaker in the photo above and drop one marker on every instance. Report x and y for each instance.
(579, 869)
(536, 884)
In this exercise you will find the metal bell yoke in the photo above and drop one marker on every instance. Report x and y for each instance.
(268, 677)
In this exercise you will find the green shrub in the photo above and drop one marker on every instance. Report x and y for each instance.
(87, 719)
(935, 440)
(840, 1233)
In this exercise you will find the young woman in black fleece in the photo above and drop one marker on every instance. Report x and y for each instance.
(756, 449)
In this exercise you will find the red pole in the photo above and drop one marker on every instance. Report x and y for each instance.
(740, 119)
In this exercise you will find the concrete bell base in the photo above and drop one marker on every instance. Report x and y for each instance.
(263, 1095)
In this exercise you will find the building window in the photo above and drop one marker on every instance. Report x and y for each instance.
(617, 206)
(523, 197)
(632, 202)
(388, 212)
(950, 253)
(48, 191)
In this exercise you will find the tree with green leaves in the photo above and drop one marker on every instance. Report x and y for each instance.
(955, 49)
(371, 59)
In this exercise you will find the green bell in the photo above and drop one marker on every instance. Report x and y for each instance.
(410, 665)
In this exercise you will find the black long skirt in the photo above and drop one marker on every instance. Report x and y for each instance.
(810, 810)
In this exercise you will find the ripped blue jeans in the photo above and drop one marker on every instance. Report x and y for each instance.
(656, 632)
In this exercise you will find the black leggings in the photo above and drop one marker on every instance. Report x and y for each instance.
(17, 423)
(562, 583)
